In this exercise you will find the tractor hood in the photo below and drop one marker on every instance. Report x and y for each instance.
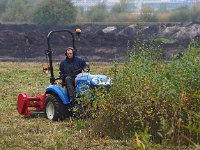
(95, 80)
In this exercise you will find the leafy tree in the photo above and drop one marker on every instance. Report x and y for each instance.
(181, 14)
(16, 11)
(148, 15)
(98, 13)
(163, 7)
(119, 7)
(3, 5)
(122, 6)
(195, 14)
(61, 12)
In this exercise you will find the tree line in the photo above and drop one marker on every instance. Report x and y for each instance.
(63, 12)
(50, 12)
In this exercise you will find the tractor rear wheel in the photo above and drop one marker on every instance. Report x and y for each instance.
(54, 109)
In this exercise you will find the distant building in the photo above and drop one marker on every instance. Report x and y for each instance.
(138, 4)
(168, 4)
(88, 4)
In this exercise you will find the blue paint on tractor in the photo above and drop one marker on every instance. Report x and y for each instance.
(84, 82)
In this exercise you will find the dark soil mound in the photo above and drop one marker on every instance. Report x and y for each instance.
(98, 42)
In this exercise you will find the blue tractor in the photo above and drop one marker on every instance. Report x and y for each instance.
(54, 102)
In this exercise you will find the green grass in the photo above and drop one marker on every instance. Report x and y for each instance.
(17, 132)
(166, 40)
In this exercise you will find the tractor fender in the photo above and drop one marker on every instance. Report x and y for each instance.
(59, 91)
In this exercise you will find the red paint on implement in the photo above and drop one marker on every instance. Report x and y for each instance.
(24, 103)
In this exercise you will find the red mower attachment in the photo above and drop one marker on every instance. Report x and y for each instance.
(35, 103)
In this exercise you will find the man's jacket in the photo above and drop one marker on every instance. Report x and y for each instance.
(71, 67)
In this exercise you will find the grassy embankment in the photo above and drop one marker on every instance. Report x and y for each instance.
(153, 104)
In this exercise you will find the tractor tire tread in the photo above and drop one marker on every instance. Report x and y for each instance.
(61, 111)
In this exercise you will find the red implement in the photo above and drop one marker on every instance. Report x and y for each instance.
(24, 103)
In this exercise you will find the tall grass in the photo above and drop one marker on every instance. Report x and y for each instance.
(152, 98)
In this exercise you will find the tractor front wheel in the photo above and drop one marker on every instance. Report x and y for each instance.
(54, 109)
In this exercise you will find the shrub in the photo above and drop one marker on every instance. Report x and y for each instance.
(164, 17)
(153, 96)
(52, 12)
(182, 14)
(98, 13)
(122, 17)
(148, 15)
(16, 11)
(195, 15)
(3, 4)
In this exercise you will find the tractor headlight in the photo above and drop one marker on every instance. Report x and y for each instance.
(101, 82)
(96, 81)
(109, 81)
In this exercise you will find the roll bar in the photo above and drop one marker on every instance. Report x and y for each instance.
(49, 50)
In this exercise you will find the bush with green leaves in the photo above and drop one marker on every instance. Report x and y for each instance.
(53, 12)
(195, 14)
(181, 14)
(15, 11)
(120, 7)
(3, 5)
(148, 15)
(97, 13)
(153, 96)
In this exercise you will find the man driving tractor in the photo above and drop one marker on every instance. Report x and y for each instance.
(69, 68)
(56, 102)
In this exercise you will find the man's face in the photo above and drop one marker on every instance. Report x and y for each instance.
(70, 53)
